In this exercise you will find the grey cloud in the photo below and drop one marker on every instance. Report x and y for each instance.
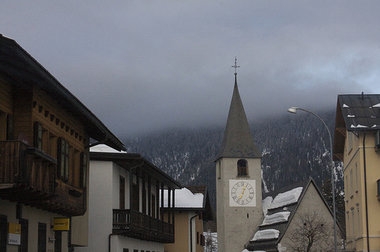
(144, 65)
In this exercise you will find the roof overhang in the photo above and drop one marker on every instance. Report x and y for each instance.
(19, 66)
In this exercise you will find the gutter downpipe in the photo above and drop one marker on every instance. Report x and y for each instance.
(191, 232)
(365, 190)
(109, 242)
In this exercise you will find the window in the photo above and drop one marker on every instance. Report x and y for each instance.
(122, 193)
(83, 170)
(242, 167)
(219, 170)
(41, 237)
(24, 235)
(3, 233)
(63, 159)
(10, 127)
(125, 250)
(38, 135)
(58, 241)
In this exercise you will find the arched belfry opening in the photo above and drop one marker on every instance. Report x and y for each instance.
(242, 168)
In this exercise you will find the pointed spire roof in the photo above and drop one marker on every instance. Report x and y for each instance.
(237, 141)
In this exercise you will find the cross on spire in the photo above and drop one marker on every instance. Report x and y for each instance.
(236, 67)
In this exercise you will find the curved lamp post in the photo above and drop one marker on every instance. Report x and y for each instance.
(294, 111)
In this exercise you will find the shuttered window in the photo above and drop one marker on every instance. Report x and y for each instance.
(83, 170)
(63, 159)
(38, 135)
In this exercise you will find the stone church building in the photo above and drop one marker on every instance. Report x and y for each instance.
(244, 220)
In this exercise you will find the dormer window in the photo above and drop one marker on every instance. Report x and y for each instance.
(242, 168)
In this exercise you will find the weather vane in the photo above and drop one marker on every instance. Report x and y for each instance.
(235, 66)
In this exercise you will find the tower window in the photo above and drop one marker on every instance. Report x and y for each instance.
(242, 169)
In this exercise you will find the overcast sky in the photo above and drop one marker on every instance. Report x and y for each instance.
(142, 65)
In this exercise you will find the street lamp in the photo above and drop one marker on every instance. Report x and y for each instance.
(294, 111)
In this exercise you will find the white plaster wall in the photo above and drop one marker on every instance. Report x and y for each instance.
(120, 242)
(34, 216)
(100, 206)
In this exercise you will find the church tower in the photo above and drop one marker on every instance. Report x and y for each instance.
(238, 180)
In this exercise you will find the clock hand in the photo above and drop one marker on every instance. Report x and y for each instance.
(242, 193)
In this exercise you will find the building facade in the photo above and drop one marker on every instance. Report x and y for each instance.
(238, 181)
(125, 207)
(192, 210)
(357, 143)
(45, 135)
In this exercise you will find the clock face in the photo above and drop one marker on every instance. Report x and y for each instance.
(242, 193)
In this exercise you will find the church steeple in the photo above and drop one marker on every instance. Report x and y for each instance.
(237, 141)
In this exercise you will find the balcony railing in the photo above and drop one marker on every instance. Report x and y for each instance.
(27, 175)
(137, 225)
(23, 167)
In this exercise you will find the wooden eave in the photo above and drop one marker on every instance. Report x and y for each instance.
(339, 134)
(18, 65)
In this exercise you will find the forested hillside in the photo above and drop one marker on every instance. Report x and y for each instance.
(294, 148)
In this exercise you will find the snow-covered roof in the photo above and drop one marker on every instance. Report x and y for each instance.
(104, 148)
(266, 204)
(184, 198)
(266, 234)
(286, 198)
(276, 218)
(360, 112)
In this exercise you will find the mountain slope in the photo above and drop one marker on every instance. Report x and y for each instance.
(293, 147)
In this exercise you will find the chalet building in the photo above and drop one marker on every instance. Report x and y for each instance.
(126, 195)
(45, 133)
(295, 218)
(357, 144)
(192, 211)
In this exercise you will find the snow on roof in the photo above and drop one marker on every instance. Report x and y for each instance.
(184, 198)
(376, 105)
(345, 106)
(104, 148)
(266, 234)
(358, 126)
(286, 198)
(266, 204)
(276, 218)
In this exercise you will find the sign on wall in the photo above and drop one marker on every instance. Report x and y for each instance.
(14, 234)
(61, 224)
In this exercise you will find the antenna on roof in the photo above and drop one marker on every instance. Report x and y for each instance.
(362, 95)
(236, 67)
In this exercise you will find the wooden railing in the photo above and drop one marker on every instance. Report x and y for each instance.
(23, 166)
(28, 175)
(138, 225)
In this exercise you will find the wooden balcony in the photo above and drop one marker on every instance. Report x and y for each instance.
(28, 176)
(137, 225)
